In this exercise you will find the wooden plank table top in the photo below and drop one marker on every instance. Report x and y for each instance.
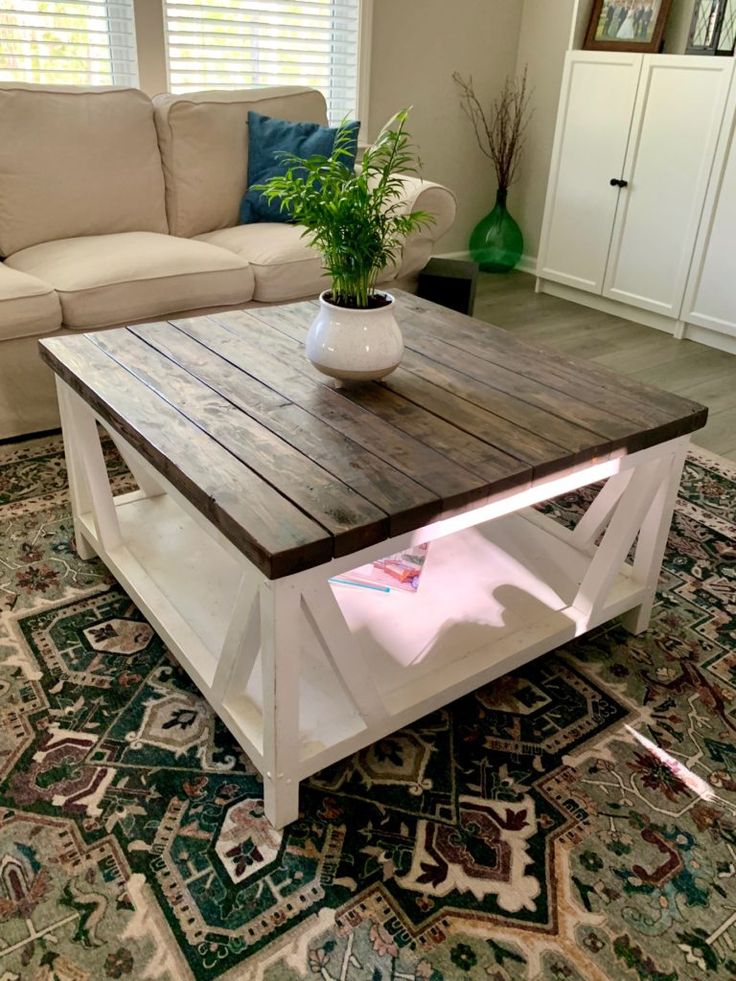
(295, 472)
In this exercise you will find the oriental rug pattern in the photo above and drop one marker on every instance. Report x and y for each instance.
(576, 820)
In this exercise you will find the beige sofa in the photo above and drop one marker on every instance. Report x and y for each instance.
(116, 208)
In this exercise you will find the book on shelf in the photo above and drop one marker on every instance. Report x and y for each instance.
(400, 571)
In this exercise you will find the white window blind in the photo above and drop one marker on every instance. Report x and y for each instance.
(248, 43)
(69, 42)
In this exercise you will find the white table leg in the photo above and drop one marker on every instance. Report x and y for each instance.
(79, 488)
(622, 530)
(652, 542)
(343, 652)
(143, 473)
(281, 620)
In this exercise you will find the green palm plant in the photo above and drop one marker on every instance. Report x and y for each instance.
(356, 218)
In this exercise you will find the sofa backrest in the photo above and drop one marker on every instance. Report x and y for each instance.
(77, 161)
(203, 137)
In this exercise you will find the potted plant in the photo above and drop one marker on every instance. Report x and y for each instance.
(496, 242)
(356, 217)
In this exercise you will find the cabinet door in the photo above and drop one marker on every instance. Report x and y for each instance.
(677, 120)
(710, 298)
(593, 122)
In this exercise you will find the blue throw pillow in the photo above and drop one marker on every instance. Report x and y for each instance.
(268, 137)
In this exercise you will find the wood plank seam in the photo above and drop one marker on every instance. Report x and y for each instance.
(635, 391)
(399, 432)
(103, 343)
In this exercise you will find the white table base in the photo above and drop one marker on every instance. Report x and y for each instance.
(303, 672)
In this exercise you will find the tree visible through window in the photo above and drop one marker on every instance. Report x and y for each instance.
(69, 42)
(241, 43)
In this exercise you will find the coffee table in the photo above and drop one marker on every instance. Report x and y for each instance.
(258, 482)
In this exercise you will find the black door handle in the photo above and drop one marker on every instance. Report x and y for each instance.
(617, 182)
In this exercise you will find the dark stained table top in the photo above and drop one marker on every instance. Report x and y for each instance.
(294, 472)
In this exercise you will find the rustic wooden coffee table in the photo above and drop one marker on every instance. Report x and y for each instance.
(259, 481)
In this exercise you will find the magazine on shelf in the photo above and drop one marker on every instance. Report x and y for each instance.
(400, 571)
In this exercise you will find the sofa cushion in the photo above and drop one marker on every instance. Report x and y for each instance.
(270, 140)
(27, 306)
(116, 279)
(203, 138)
(285, 266)
(76, 161)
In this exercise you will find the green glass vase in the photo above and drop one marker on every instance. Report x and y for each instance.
(496, 242)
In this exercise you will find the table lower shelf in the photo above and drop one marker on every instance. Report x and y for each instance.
(491, 597)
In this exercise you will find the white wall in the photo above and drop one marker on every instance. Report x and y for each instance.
(580, 20)
(548, 28)
(678, 26)
(417, 44)
(543, 39)
(151, 41)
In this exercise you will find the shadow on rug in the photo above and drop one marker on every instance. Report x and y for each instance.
(575, 820)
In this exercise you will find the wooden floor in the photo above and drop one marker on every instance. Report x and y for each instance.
(694, 370)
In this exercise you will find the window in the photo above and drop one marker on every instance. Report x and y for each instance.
(234, 43)
(69, 42)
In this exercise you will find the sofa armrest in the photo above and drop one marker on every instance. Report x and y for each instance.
(439, 201)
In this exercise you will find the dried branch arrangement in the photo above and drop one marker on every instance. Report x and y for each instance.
(500, 130)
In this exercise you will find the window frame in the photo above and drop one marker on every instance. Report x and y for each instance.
(153, 68)
(123, 58)
(152, 56)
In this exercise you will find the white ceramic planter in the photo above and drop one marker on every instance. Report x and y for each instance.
(355, 345)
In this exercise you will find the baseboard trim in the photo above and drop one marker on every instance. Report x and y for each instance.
(604, 305)
(462, 254)
(690, 332)
(713, 338)
(527, 263)
(24, 437)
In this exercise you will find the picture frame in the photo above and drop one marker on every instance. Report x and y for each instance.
(712, 28)
(627, 25)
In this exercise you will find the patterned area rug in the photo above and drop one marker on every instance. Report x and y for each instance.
(576, 820)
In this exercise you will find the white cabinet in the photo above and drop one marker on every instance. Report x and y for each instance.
(652, 124)
(596, 105)
(710, 299)
(674, 132)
